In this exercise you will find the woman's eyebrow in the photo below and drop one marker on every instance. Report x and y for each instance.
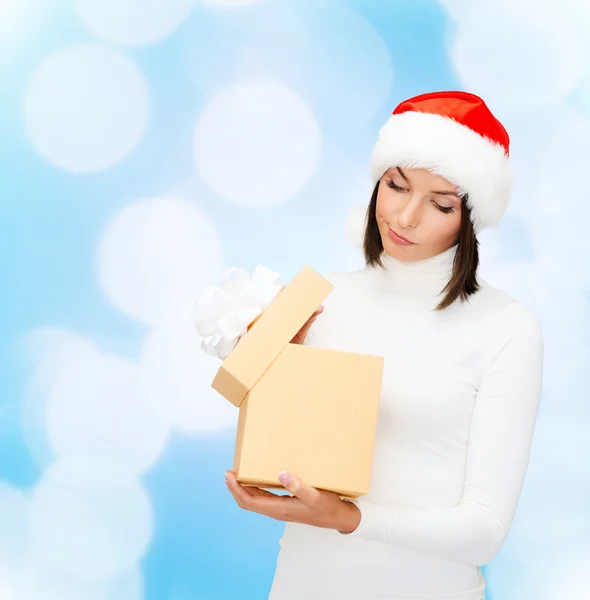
(443, 193)
(447, 193)
(402, 174)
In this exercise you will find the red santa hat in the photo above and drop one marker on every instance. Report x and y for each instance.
(455, 135)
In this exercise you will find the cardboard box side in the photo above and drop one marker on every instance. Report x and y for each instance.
(275, 328)
(229, 386)
(242, 419)
(269, 486)
(329, 401)
(373, 389)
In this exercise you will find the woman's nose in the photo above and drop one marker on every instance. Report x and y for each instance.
(409, 214)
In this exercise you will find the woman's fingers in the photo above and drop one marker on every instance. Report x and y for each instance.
(311, 319)
(255, 491)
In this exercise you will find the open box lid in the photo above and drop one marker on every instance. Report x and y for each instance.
(274, 329)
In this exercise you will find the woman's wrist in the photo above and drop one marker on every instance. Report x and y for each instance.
(351, 518)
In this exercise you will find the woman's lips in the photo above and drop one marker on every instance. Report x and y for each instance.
(398, 239)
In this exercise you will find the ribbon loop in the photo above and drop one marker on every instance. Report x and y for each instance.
(223, 313)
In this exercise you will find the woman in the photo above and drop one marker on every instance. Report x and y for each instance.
(461, 383)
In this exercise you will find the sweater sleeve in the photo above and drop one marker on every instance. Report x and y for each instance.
(501, 432)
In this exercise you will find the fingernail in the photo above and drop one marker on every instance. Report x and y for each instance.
(226, 477)
(285, 478)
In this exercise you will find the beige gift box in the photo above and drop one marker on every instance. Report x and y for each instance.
(307, 410)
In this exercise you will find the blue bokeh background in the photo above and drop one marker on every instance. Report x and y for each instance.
(82, 279)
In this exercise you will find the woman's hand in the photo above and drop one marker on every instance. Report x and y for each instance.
(307, 505)
(302, 333)
(300, 336)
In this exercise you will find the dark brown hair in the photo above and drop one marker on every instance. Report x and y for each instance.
(463, 282)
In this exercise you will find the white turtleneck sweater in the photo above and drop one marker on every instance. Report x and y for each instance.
(459, 401)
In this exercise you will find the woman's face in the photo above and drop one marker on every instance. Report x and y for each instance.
(420, 206)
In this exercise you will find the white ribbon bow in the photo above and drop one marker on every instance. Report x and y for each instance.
(222, 314)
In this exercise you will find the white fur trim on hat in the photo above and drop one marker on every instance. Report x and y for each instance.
(477, 165)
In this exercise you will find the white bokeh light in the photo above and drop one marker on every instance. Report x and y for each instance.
(7, 591)
(568, 580)
(554, 296)
(8, 8)
(47, 351)
(548, 527)
(530, 135)
(545, 528)
(128, 586)
(579, 13)
(560, 238)
(560, 226)
(355, 225)
(560, 449)
(346, 88)
(97, 407)
(48, 348)
(540, 572)
(156, 256)
(557, 469)
(177, 376)
(42, 581)
(133, 22)
(88, 527)
(86, 107)
(503, 245)
(340, 188)
(456, 8)
(248, 47)
(15, 534)
(517, 55)
(301, 50)
(230, 3)
(11, 18)
(257, 144)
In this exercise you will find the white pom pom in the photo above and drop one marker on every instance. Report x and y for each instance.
(355, 224)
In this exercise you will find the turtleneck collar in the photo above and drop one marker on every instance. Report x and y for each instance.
(424, 277)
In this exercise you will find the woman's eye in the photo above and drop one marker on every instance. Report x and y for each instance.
(395, 187)
(445, 209)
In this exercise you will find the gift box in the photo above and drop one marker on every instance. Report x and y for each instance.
(307, 410)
